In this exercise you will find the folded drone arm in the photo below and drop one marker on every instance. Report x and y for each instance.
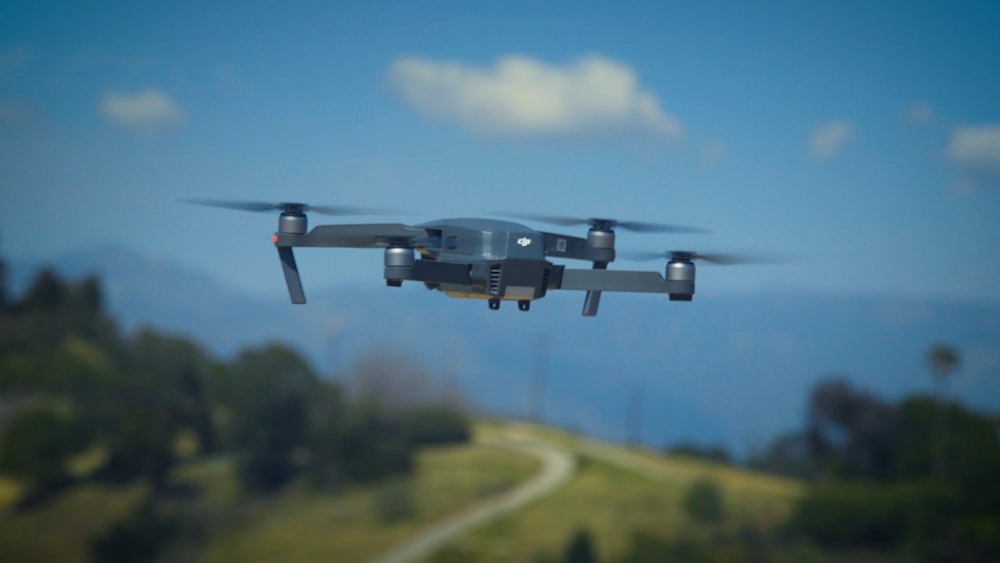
(575, 248)
(354, 236)
(617, 280)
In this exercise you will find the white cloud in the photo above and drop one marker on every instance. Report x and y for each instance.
(975, 152)
(826, 140)
(524, 96)
(148, 110)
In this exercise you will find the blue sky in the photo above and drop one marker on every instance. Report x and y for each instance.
(862, 137)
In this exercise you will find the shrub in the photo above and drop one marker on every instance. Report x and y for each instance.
(704, 501)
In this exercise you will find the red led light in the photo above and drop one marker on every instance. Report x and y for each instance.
(274, 239)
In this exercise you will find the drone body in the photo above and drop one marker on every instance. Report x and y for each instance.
(486, 259)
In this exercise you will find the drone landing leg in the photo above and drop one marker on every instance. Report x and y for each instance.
(494, 304)
(593, 299)
(292, 278)
(524, 305)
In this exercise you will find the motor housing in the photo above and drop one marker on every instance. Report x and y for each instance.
(680, 276)
(292, 224)
(399, 262)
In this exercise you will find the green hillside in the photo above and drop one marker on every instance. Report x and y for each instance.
(618, 492)
(297, 524)
(359, 524)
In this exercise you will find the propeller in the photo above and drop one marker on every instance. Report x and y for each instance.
(284, 207)
(601, 223)
(720, 258)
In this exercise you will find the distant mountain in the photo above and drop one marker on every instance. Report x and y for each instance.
(733, 370)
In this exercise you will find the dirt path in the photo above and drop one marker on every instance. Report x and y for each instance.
(558, 467)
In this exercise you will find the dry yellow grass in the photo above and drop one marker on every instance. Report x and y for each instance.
(305, 526)
(61, 531)
(616, 492)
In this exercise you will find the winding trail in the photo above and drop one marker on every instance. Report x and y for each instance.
(558, 467)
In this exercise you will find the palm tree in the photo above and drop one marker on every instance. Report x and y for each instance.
(943, 361)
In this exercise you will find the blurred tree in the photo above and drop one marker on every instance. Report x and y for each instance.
(374, 444)
(943, 361)
(139, 433)
(36, 446)
(45, 294)
(139, 538)
(645, 547)
(851, 433)
(391, 380)
(580, 548)
(850, 515)
(4, 289)
(437, 424)
(708, 453)
(704, 502)
(394, 503)
(271, 415)
(789, 454)
(180, 370)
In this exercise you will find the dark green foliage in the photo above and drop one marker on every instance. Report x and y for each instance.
(788, 455)
(271, 415)
(180, 371)
(850, 515)
(943, 360)
(46, 294)
(851, 433)
(4, 289)
(374, 444)
(437, 424)
(140, 439)
(35, 448)
(143, 535)
(707, 453)
(71, 384)
(394, 503)
(580, 548)
(645, 547)
(704, 501)
(883, 486)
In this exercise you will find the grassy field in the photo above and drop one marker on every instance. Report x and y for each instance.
(617, 492)
(61, 531)
(304, 526)
(294, 525)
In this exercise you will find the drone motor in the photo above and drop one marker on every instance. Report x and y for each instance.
(292, 223)
(399, 262)
(680, 274)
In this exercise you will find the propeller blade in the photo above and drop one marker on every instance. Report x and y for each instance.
(635, 226)
(550, 219)
(639, 227)
(284, 206)
(719, 258)
(255, 206)
(342, 210)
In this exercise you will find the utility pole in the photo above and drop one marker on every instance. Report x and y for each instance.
(633, 414)
(542, 346)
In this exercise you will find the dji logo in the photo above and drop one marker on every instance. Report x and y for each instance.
(523, 241)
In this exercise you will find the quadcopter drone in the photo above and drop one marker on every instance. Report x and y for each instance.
(487, 259)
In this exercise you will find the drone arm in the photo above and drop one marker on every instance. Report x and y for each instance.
(291, 271)
(619, 280)
(364, 235)
(575, 248)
